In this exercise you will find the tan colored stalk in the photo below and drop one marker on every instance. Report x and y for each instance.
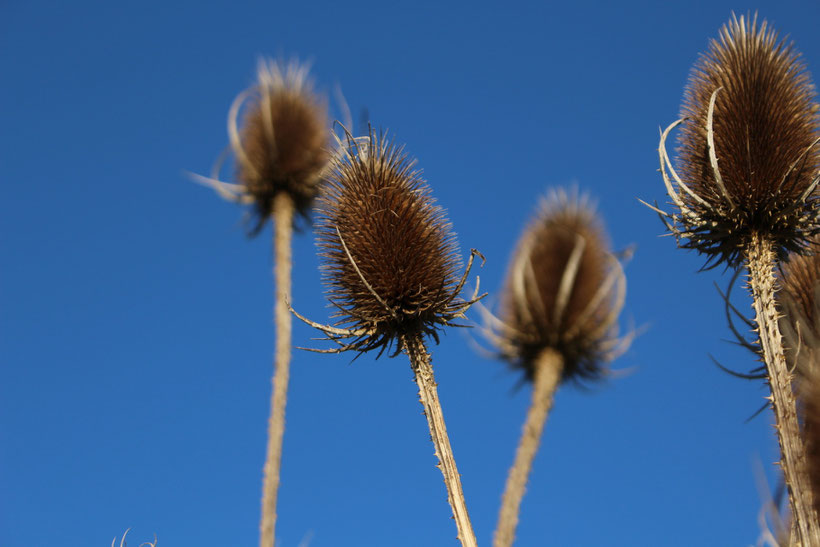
(761, 259)
(548, 368)
(283, 232)
(428, 395)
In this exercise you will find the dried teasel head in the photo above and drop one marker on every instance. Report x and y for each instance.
(282, 145)
(810, 404)
(799, 305)
(390, 256)
(748, 157)
(564, 291)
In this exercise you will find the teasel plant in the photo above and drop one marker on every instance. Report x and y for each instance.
(280, 141)
(798, 302)
(557, 322)
(390, 265)
(744, 193)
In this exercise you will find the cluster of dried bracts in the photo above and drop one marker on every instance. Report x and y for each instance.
(744, 192)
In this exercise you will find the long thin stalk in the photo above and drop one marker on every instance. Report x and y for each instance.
(428, 395)
(548, 368)
(761, 261)
(283, 232)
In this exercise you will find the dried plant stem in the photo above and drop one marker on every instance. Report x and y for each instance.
(548, 367)
(283, 232)
(761, 261)
(428, 395)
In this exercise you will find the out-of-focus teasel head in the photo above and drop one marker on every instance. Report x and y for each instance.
(799, 305)
(798, 302)
(281, 145)
(748, 153)
(564, 291)
(391, 260)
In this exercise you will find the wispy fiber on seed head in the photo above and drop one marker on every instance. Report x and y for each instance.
(390, 255)
(283, 141)
(799, 304)
(748, 152)
(564, 290)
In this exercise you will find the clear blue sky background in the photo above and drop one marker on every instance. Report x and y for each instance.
(135, 317)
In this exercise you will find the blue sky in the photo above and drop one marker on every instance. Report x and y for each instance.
(135, 316)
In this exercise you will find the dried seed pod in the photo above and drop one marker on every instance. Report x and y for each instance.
(749, 155)
(391, 257)
(563, 292)
(799, 303)
(282, 145)
(810, 399)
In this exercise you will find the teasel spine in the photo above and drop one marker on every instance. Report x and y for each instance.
(549, 367)
(283, 209)
(421, 363)
(760, 257)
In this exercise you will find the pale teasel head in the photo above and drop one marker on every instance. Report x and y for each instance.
(391, 259)
(749, 152)
(798, 302)
(564, 291)
(282, 144)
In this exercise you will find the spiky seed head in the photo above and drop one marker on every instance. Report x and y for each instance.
(284, 139)
(390, 255)
(799, 304)
(564, 290)
(764, 127)
(809, 391)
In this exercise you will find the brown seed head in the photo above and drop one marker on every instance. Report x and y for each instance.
(799, 303)
(810, 405)
(748, 154)
(283, 142)
(564, 290)
(391, 257)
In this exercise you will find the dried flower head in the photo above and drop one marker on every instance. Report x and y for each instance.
(282, 144)
(799, 303)
(810, 399)
(749, 156)
(391, 257)
(564, 291)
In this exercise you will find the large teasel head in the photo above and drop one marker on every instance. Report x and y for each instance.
(748, 153)
(281, 145)
(798, 302)
(799, 305)
(564, 291)
(391, 260)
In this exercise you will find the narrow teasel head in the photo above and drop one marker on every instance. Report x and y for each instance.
(281, 144)
(564, 291)
(748, 154)
(798, 302)
(391, 259)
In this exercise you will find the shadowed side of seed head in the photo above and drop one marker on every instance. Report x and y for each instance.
(564, 290)
(283, 142)
(799, 304)
(390, 256)
(748, 147)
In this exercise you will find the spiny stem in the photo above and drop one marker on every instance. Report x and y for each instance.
(283, 231)
(548, 368)
(428, 395)
(761, 261)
